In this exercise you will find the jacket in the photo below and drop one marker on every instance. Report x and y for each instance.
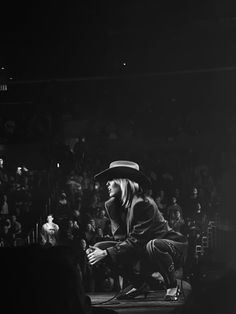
(134, 227)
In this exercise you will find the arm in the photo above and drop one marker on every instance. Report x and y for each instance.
(95, 254)
(140, 225)
(140, 221)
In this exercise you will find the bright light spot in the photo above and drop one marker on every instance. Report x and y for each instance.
(2, 68)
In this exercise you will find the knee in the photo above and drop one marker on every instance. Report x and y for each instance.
(155, 247)
(98, 245)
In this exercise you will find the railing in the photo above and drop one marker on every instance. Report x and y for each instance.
(33, 236)
(210, 238)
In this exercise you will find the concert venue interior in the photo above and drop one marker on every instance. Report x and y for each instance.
(85, 84)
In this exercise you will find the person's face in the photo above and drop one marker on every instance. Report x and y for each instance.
(89, 227)
(92, 222)
(102, 213)
(158, 199)
(100, 232)
(50, 219)
(113, 189)
(83, 244)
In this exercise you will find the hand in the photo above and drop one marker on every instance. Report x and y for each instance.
(95, 254)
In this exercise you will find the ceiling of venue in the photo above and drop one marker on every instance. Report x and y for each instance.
(105, 38)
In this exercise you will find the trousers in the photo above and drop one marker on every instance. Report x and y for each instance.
(159, 255)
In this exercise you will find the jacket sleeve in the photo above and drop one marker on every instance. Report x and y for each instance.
(140, 228)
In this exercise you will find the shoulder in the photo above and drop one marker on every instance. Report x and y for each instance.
(44, 226)
(145, 203)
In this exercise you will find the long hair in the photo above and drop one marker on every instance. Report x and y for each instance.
(128, 190)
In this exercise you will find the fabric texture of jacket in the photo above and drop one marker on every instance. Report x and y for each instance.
(134, 227)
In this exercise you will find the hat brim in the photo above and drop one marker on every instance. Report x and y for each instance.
(122, 173)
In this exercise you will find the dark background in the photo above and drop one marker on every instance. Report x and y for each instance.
(113, 59)
(56, 55)
(88, 38)
(121, 61)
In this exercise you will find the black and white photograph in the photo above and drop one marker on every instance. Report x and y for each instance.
(118, 157)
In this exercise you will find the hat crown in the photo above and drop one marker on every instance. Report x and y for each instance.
(124, 163)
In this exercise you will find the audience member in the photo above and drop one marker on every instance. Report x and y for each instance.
(49, 232)
(102, 221)
(4, 205)
(90, 234)
(15, 226)
(174, 215)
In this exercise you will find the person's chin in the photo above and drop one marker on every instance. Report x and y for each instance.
(111, 194)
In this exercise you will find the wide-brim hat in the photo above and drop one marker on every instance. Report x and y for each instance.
(121, 169)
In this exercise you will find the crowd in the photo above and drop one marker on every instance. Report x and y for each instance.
(77, 206)
(68, 204)
(23, 196)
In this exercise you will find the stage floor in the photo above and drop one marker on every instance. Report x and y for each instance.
(154, 303)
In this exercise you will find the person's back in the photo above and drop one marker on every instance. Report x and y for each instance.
(161, 228)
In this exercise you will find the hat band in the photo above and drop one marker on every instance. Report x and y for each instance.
(124, 163)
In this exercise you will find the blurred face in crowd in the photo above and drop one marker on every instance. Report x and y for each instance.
(93, 224)
(177, 214)
(63, 195)
(113, 189)
(102, 213)
(100, 232)
(50, 219)
(158, 199)
(89, 227)
(199, 207)
(76, 213)
(96, 186)
(174, 201)
(83, 244)
(19, 170)
(70, 224)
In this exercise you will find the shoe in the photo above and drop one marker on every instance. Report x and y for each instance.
(172, 294)
(124, 291)
(133, 292)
